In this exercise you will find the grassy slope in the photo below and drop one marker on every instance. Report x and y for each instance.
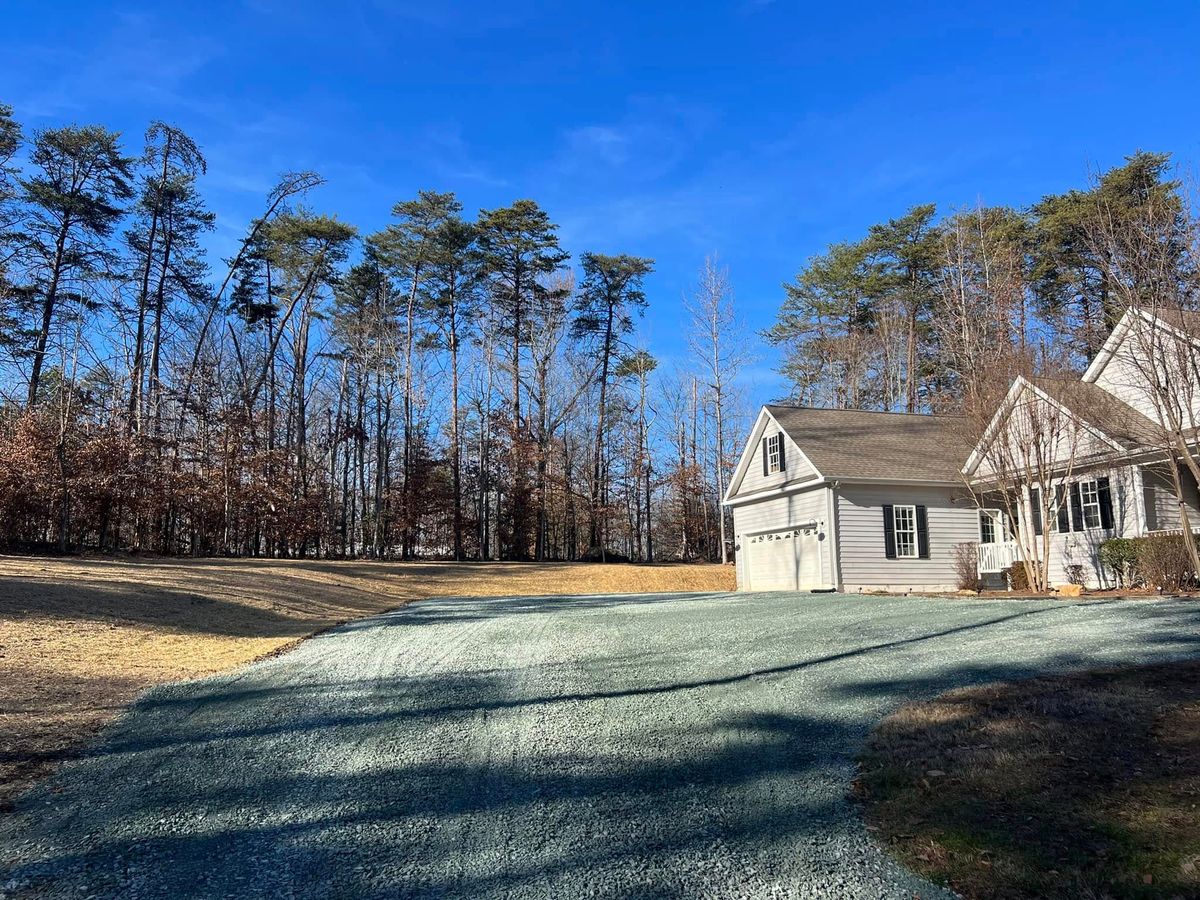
(80, 638)
(1071, 786)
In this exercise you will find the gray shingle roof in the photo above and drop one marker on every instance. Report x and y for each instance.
(1097, 407)
(852, 443)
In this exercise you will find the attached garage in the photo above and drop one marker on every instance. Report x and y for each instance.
(785, 559)
(837, 499)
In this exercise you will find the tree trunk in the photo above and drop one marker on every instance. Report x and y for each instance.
(596, 536)
(520, 490)
(135, 388)
(39, 354)
(455, 441)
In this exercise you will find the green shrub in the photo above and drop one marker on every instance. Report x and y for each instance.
(1163, 561)
(1120, 555)
(1018, 578)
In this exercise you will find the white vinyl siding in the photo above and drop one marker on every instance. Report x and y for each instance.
(1162, 506)
(781, 512)
(1125, 374)
(864, 564)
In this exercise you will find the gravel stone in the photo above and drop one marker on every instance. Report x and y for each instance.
(636, 746)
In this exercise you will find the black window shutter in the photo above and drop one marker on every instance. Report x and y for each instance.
(782, 458)
(1077, 507)
(1105, 492)
(1064, 514)
(922, 533)
(766, 471)
(889, 533)
(1035, 508)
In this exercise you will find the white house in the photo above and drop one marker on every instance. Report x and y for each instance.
(851, 500)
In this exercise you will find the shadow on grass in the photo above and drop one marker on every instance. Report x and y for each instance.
(1065, 786)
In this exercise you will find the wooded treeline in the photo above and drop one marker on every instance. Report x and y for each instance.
(450, 386)
(929, 314)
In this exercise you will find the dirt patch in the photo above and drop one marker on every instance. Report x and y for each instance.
(1082, 785)
(80, 638)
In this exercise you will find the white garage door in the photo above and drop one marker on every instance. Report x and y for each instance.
(785, 560)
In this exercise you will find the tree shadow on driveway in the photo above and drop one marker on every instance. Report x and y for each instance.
(540, 749)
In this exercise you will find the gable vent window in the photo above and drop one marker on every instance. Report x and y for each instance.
(773, 454)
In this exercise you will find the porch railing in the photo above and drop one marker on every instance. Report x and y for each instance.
(997, 557)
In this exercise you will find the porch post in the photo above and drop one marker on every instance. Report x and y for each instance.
(1137, 482)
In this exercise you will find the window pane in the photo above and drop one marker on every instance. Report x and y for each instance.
(773, 443)
(987, 528)
(905, 521)
(1089, 493)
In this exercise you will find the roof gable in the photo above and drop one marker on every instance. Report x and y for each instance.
(1185, 325)
(750, 453)
(1099, 416)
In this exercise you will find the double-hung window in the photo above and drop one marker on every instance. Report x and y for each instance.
(904, 519)
(1079, 505)
(1089, 496)
(1059, 509)
(774, 448)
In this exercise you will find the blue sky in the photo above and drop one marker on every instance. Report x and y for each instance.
(758, 130)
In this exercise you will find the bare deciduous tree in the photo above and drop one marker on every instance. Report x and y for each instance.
(719, 347)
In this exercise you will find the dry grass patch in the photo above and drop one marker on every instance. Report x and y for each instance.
(80, 638)
(1076, 786)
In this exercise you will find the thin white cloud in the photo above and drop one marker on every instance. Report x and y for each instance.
(445, 150)
(136, 60)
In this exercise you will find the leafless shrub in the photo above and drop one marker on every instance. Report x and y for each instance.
(1165, 561)
(966, 566)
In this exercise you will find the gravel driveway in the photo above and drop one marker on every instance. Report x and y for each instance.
(646, 746)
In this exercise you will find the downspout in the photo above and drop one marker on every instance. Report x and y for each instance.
(835, 579)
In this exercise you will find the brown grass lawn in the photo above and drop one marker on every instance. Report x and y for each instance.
(80, 638)
(1080, 786)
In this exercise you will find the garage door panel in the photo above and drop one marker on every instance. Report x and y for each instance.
(784, 560)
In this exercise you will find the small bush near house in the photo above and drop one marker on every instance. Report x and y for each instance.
(1120, 555)
(1075, 574)
(966, 566)
(1018, 578)
(1163, 561)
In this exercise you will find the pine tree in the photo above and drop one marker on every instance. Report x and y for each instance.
(826, 326)
(519, 247)
(407, 248)
(1070, 272)
(167, 260)
(904, 253)
(452, 299)
(610, 296)
(74, 200)
(11, 240)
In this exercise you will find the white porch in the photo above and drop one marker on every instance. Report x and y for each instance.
(997, 557)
